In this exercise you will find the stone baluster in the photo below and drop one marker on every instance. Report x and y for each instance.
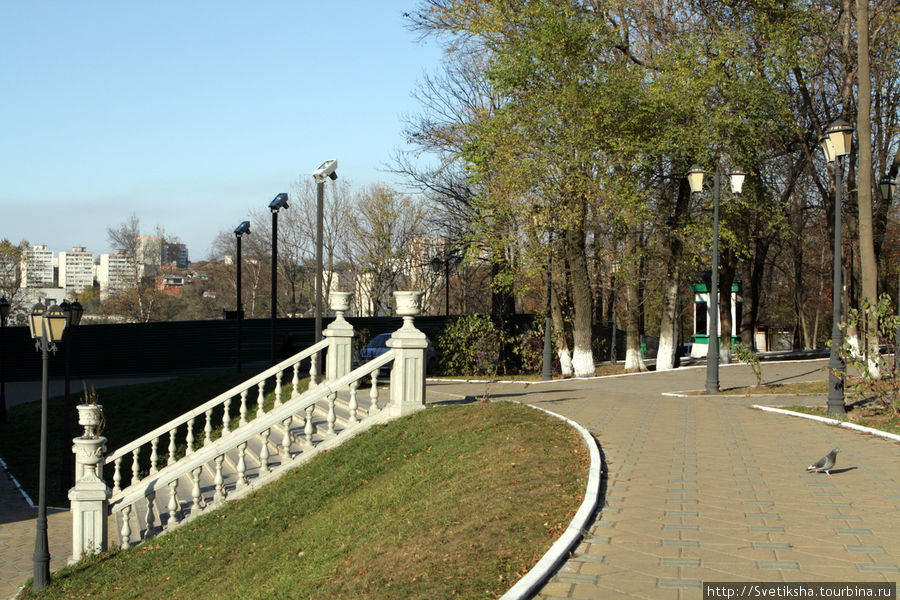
(295, 382)
(308, 426)
(278, 389)
(154, 457)
(352, 405)
(117, 475)
(135, 467)
(172, 447)
(260, 399)
(243, 409)
(151, 518)
(408, 370)
(264, 452)
(207, 429)
(174, 505)
(313, 370)
(189, 439)
(219, 480)
(287, 439)
(195, 491)
(338, 361)
(226, 417)
(241, 466)
(126, 528)
(373, 393)
(89, 497)
(331, 416)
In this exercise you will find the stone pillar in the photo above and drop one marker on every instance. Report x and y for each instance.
(408, 371)
(89, 498)
(339, 359)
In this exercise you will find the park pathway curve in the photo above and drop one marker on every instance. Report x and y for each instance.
(707, 489)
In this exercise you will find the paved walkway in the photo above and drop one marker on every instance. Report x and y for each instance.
(695, 490)
(703, 489)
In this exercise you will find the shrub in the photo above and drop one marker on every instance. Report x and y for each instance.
(469, 345)
(747, 355)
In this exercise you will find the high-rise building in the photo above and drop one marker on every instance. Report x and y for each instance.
(116, 272)
(76, 269)
(176, 253)
(37, 267)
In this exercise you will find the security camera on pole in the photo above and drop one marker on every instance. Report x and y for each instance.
(327, 170)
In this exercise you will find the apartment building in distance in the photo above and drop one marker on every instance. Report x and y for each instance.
(37, 267)
(76, 269)
(115, 272)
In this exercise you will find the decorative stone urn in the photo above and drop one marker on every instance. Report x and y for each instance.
(409, 304)
(90, 416)
(89, 451)
(340, 302)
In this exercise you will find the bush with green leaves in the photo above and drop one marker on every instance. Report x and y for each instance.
(878, 380)
(747, 355)
(469, 345)
(475, 345)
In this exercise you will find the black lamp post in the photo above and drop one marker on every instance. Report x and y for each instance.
(836, 145)
(241, 229)
(280, 201)
(47, 327)
(888, 186)
(695, 180)
(4, 313)
(326, 170)
(73, 314)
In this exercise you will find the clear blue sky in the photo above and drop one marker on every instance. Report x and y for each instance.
(189, 114)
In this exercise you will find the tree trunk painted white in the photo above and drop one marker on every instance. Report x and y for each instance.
(665, 354)
(583, 362)
(565, 362)
(634, 362)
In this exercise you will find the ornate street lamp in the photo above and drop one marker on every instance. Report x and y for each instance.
(241, 229)
(4, 313)
(836, 145)
(47, 328)
(280, 201)
(327, 170)
(695, 181)
(73, 313)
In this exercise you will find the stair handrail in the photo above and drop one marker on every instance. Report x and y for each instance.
(199, 410)
(232, 439)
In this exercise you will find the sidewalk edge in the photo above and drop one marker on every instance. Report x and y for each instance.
(17, 484)
(845, 424)
(559, 551)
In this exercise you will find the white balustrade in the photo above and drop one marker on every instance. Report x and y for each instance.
(208, 462)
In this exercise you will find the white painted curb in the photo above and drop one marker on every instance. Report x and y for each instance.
(854, 426)
(559, 551)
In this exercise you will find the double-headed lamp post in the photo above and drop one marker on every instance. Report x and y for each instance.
(73, 312)
(280, 201)
(888, 186)
(4, 313)
(327, 170)
(239, 231)
(47, 327)
(836, 145)
(695, 181)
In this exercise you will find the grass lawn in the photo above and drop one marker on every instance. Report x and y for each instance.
(130, 411)
(453, 501)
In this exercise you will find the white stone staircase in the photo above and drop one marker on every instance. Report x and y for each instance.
(244, 438)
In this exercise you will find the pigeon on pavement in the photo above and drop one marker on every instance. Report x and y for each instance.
(826, 463)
